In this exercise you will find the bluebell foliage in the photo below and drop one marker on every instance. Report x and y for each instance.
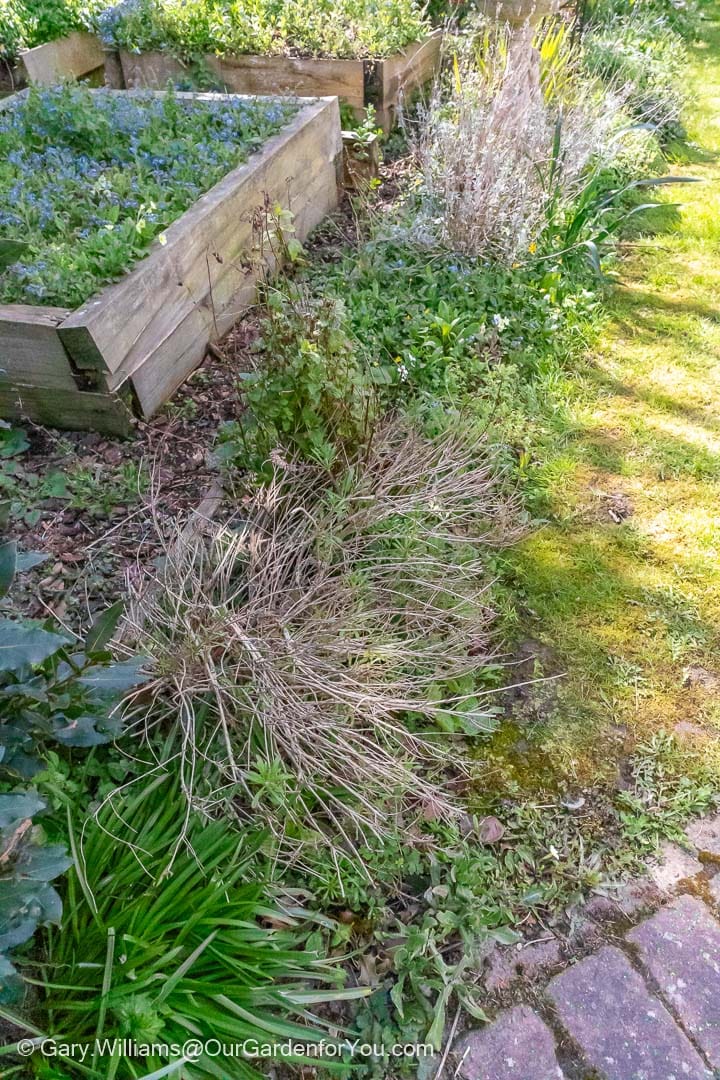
(89, 179)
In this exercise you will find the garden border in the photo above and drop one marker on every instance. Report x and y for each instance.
(380, 83)
(71, 57)
(129, 346)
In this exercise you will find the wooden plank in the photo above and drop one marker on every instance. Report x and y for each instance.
(66, 58)
(401, 75)
(154, 324)
(361, 161)
(31, 351)
(262, 75)
(151, 70)
(155, 380)
(114, 77)
(291, 75)
(62, 408)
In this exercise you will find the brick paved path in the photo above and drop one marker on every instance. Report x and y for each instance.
(645, 1005)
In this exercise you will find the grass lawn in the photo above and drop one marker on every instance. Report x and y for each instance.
(622, 584)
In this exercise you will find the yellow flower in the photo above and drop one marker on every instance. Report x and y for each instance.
(533, 248)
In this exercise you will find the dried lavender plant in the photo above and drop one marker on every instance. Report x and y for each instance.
(489, 151)
(304, 637)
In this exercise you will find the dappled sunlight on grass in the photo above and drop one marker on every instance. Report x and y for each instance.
(623, 583)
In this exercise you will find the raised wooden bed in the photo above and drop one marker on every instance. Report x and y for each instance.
(72, 57)
(131, 345)
(77, 56)
(381, 83)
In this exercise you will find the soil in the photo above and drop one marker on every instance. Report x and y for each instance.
(91, 544)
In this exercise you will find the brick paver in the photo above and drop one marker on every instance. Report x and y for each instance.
(680, 945)
(673, 865)
(623, 1031)
(508, 965)
(516, 1046)
(705, 835)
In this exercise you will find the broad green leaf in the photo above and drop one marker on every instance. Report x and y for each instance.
(103, 628)
(8, 563)
(10, 252)
(115, 678)
(81, 732)
(26, 560)
(435, 1031)
(26, 646)
(16, 808)
(504, 935)
(41, 863)
(12, 987)
(13, 441)
(476, 723)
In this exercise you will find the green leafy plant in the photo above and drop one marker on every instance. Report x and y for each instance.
(52, 691)
(310, 394)
(342, 28)
(661, 799)
(27, 866)
(162, 946)
(26, 23)
(116, 171)
(642, 53)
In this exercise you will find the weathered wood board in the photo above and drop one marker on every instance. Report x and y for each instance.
(69, 57)
(402, 75)
(361, 161)
(261, 75)
(359, 83)
(140, 337)
(31, 351)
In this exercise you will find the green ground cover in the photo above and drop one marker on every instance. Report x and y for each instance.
(347, 29)
(478, 512)
(89, 179)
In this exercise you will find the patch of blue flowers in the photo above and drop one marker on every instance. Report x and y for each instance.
(88, 179)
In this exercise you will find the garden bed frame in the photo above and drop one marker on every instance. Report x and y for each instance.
(127, 348)
(72, 57)
(380, 83)
(78, 56)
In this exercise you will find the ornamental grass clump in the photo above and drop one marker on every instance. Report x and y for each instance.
(310, 658)
(500, 155)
